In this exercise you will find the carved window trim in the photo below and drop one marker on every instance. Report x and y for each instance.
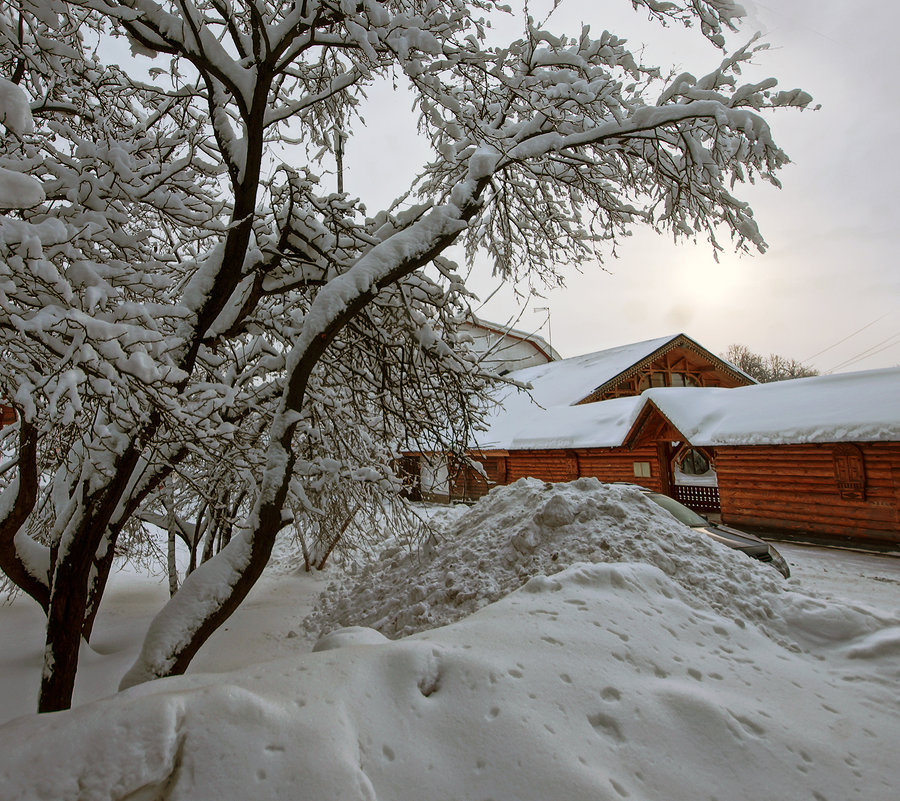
(849, 471)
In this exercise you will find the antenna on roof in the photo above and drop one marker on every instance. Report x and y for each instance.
(549, 331)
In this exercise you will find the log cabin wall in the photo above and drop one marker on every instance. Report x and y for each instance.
(467, 484)
(637, 466)
(622, 464)
(7, 415)
(798, 489)
(547, 465)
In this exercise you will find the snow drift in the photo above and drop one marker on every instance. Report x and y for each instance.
(532, 528)
(644, 667)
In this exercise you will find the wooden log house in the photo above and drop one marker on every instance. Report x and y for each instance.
(803, 490)
(7, 414)
(814, 457)
(532, 434)
(811, 458)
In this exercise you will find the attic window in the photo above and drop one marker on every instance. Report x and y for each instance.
(683, 380)
(660, 378)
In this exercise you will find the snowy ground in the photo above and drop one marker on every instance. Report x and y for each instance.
(637, 662)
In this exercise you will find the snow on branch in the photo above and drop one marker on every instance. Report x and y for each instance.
(181, 296)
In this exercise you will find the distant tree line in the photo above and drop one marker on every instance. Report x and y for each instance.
(764, 369)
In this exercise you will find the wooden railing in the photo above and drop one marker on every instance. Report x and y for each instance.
(697, 497)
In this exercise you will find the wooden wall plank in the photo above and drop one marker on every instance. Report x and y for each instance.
(794, 488)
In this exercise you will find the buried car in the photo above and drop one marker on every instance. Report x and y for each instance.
(750, 544)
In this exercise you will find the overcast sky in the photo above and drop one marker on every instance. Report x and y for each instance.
(828, 289)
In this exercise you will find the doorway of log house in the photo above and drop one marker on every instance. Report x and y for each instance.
(689, 476)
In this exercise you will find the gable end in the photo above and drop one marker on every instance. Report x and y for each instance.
(705, 369)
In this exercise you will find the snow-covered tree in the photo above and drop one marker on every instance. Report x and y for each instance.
(764, 369)
(180, 294)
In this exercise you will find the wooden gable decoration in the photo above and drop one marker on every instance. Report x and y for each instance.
(651, 427)
(681, 362)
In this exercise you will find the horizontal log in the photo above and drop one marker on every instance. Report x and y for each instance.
(805, 455)
(543, 460)
(845, 529)
(808, 447)
(815, 514)
(785, 483)
(884, 462)
(788, 525)
(814, 523)
(823, 489)
(886, 508)
(616, 453)
(541, 473)
(774, 479)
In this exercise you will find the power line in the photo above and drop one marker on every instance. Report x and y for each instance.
(870, 351)
(841, 341)
(793, 19)
(878, 347)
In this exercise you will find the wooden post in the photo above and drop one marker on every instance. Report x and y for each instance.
(664, 460)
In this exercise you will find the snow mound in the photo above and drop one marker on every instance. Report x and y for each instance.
(599, 682)
(532, 528)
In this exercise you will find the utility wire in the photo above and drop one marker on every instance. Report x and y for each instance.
(885, 344)
(841, 341)
(793, 19)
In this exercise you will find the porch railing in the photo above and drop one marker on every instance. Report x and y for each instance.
(698, 497)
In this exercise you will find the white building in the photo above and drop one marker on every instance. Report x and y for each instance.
(508, 349)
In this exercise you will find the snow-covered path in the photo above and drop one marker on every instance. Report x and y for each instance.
(838, 573)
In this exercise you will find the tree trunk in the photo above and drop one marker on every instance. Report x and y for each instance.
(70, 570)
(68, 602)
(210, 539)
(337, 538)
(170, 525)
(99, 577)
(192, 557)
(16, 515)
(306, 560)
(60, 665)
(200, 525)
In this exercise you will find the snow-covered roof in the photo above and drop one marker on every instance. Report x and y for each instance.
(502, 330)
(565, 382)
(846, 407)
(591, 425)
(545, 416)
